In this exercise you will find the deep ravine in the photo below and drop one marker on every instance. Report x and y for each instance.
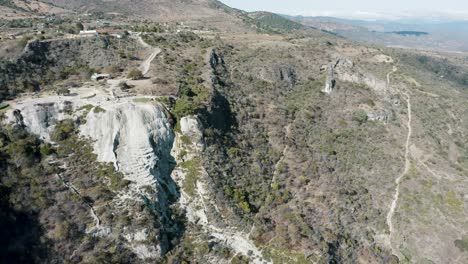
(198, 204)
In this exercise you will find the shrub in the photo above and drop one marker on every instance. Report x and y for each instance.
(99, 109)
(192, 168)
(63, 130)
(135, 74)
(462, 244)
(117, 182)
(46, 149)
(64, 230)
(111, 69)
(79, 26)
(63, 91)
(159, 81)
(124, 85)
(24, 41)
(23, 152)
(184, 107)
(360, 116)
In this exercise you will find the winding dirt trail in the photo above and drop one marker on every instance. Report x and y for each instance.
(145, 66)
(405, 171)
(394, 69)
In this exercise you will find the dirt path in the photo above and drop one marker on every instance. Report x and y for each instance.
(115, 90)
(145, 66)
(394, 69)
(405, 171)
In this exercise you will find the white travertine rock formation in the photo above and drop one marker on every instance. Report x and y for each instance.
(136, 137)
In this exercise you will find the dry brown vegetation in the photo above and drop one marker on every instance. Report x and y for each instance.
(310, 172)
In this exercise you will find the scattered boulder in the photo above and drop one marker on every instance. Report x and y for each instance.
(330, 82)
(345, 70)
(287, 74)
(381, 116)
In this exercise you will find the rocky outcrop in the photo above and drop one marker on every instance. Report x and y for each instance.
(344, 69)
(287, 75)
(215, 59)
(330, 81)
(381, 116)
(136, 137)
(283, 74)
(39, 118)
(18, 119)
(191, 127)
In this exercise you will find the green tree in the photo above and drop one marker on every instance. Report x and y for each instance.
(79, 26)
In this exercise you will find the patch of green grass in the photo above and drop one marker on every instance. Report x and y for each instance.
(462, 244)
(142, 100)
(87, 107)
(186, 140)
(63, 130)
(298, 99)
(116, 179)
(278, 255)
(98, 110)
(360, 116)
(3, 106)
(164, 100)
(452, 200)
(117, 182)
(184, 107)
(192, 169)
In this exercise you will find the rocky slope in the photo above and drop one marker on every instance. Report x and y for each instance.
(210, 13)
(43, 63)
(297, 147)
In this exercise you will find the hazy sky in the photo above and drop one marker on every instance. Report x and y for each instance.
(357, 8)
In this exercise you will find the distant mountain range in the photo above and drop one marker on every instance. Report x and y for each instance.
(447, 35)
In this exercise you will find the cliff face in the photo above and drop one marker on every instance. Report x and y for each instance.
(136, 138)
(199, 200)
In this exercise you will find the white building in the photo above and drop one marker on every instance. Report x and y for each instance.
(89, 33)
(98, 77)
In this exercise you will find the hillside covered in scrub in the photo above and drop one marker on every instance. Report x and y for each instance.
(255, 140)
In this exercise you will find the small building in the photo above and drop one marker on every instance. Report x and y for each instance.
(118, 33)
(88, 33)
(98, 77)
